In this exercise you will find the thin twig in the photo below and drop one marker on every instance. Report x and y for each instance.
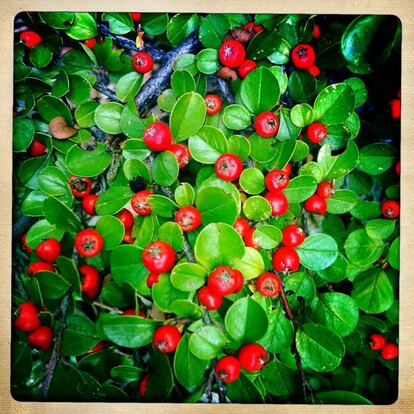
(106, 307)
(106, 91)
(225, 90)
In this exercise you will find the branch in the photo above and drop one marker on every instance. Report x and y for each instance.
(225, 91)
(54, 359)
(106, 91)
(160, 78)
(305, 384)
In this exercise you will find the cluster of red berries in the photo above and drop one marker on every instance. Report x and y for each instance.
(388, 350)
(316, 203)
(221, 282)
(250, 357)
(28, 321)
(276, 181)
(395, 106)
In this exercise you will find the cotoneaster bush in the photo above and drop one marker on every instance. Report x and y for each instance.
(206, 208)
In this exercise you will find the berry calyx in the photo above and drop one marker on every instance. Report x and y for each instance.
(232, 53)
(158, 136)
(27, 317)
(136, 17)
(140, 203)
(126, 217)
(221, 281)
(228, 369)
(228, 167)
(152, 279)
(389, 351)
(90, 281)
(158, 257)
(166, 338)
(182, 153)
(142, 62)
(246, 67)
(49, 250)
(276, 180)
(316, 205)
(376, 342)
(36, 148)
(242, 226)
(325, 190)
(30, 38)
(208, 299)
(293, 235)
(268, 284)
(88, 243)
(213, 104)
(278, 202)
(188, 218)
(39, 267)
(89, 204)
(390, 209)
(316, 132)
(252, 357)
(90, 42)
(143, 383)
(41, 338)
(266, 124)
(303, 56)
(285, 260)
(80, 186)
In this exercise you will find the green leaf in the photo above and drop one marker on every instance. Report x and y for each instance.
(240, 146)
(373, 291)
(336, 311)
(80, 89)
(23, 133)
(366, 210)
(207, 145)
(57, 20)
(119, 23)
(42, 230)
(251, 264)
(217, 244)
(359, 88)
(165, 168)
(112, 200)
(257, 208)
(279, 379)
(21, 362)
(301, 288)
(207, 61)
(50, 107)
(85, 114)
(188, 276)
(319, 348)
(260, 90)
(180, 27)
(264, 44)
(167, 100)
(300, 188)
(154, 23)
(108, 117)
(336, 271)
(53, 181)
(128, 86)
(112, 231)
(126, 373)
(380, 228)
(302, 115)
(187, 116)
(60, 215)
(341, 397)
(362, 249)
(241, 320)
(244, 390)
(136, 149)
(236, 117)
(252, 181)
(134, 168)
(52, 285)
(377, 158)
(267, 236)
(207, 342)
(40, 56)
(185, 308)
(213, 29)
(184, 195)
(162, 206)
(287, 130)
(342, 202)
(164, 293)
(182, 82)
(394, 254)
(83, 27)
(263, 149)
(69, 272)
(131, 331)
(302, 86)
(88, 163)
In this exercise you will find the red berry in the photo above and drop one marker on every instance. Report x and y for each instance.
(182, 153)
(303, 56)
(228, 167)
(98, 347)
(257, 28)
(268, 284)
(287, 169)
(293, 235)
(213, 104)
(285, 260)
(389, 351)
(266, 124)
(395, 105)
(90, 42)
(188, 218)
(91, 285)
(49, 250)
(221, 281)
(36, 148)
(316, 132)
(152, 279)
(239, 281)
(325, 190)
(232, 53)
(27, 318)
(228, 369)
(390, 209)
(166, 338)
(80, 186)
(278, 202)
(41, 338)
(136, 17)
(142, 62)
(128, 239)
(242, 226)
(246, 67)
(249, 239)
(133, 312)
(208, 299)
(39, 267)
(158, 257)
(397, 167)
(314, 71)
(252, 357)
(126, 217)
(88, 243)
(316, 32)
(276, 180)
(89, 203)
(24, 242)
(249, 26)
(140, 203)
(376, 342)
(315, 204)
(158, 136)
(143, 383)
(30, 38)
